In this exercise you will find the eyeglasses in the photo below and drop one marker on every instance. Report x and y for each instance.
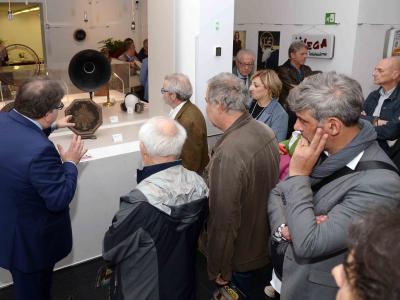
(59, 106)
(164, 91)
(246, 65)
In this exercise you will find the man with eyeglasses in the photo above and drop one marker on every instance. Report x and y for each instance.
(176, 92)
(37, 184)
(244, 65)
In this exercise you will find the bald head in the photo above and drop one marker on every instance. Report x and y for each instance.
(162, 137)
(387, 72)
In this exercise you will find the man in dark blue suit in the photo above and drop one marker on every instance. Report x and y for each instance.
(37, 183)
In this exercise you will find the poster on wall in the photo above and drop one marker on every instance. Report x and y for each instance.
(318, 45)
(239, 41)
(392, 47)
(268, 49)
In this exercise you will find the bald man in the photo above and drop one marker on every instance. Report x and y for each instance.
(382, 106)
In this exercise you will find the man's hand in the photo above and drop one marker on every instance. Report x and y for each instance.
(321, 219)
(220, 281)
(381, 122)
(64, 122)
(285, 233)
(75, 150)
(363, 113)
(306, 155)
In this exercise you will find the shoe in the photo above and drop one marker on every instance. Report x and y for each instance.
(269, 291)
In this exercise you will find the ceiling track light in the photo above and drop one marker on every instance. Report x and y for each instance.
(10, 15)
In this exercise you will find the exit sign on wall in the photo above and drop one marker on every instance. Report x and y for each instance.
(330, 18)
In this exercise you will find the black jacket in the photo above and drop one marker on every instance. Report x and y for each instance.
(153, 253)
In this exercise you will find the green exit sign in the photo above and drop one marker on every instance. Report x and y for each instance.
(330, 18)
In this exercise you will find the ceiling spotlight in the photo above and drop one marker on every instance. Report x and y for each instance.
(9, 12)
(10, 15)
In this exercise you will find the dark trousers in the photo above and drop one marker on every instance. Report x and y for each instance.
(243, 280)
(32, 286)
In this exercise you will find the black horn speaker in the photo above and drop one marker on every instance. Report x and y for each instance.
(89, 69)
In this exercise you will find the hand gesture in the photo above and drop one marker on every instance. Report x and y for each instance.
(64, 122)
(75, 150)
(220, 281)
(306, 154)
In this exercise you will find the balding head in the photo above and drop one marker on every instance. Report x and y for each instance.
(162, 137)
(38, 96)
(387, 72)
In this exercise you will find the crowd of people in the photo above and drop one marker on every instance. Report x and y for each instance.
(328, 227)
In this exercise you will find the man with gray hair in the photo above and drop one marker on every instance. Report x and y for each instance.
(243, 169)
(337, 172)
(244, 65)
(291, 73)
(176, 92)
(154, 234)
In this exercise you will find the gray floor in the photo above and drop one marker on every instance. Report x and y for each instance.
(78, 283)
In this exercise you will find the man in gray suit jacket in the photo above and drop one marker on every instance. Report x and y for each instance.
(314, 206)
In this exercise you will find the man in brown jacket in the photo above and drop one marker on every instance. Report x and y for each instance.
(176, 92)
(243, 169)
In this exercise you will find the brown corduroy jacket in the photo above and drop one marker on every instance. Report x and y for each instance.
(243, 169)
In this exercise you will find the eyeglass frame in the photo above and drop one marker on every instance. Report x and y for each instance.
(246, 65)
(59, 106)
(163, 91)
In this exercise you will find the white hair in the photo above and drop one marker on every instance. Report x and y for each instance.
(162, 136)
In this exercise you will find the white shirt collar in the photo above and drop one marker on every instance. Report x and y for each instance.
(32, 120)
(173, 112)
(354, 162)
(386, 94)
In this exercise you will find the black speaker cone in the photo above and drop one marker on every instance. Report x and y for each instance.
(89, 70)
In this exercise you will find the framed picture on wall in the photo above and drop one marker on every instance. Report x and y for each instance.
(392, 43)
(239, 41)
(268, 49)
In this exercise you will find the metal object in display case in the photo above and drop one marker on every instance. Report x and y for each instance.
(88, 70)
(86, 115)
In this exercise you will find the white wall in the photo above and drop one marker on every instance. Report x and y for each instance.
(183, 37)
(292, 16)
(216, 28)
(373, 22)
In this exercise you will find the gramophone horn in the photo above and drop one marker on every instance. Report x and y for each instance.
(89, 70)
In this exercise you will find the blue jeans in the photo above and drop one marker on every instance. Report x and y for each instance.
(243, 280)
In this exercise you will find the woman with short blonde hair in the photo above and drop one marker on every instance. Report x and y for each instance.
(265, 89)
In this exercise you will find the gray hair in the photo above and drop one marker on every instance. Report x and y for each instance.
(37, 96)
(328, 95)
(244, 52)
(229, 91)
(162, 137)
(296, 46)
(179, 84)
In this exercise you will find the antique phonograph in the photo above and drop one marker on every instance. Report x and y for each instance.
(88, 70)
